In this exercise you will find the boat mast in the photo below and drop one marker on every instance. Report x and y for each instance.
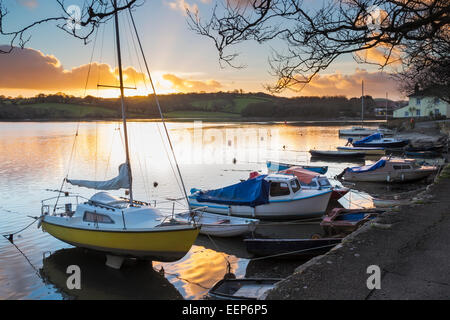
(386, 106)
(124, 118)
(362, 103)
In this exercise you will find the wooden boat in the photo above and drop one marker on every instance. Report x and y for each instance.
(378, 140)
(290, 248)
(344, 221)
(218, 225)
(118, 227)
(278, 166)
(312, 180)
(388, 170)
(388, 203)
(241, 289)
(273, 196)
(366, 150)
(337, 154)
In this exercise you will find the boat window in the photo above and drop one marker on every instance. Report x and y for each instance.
(406, 167)
(397, 167)
(96, 217)
(294, 185)
(324, 182)
(279, 189)
(312, 184)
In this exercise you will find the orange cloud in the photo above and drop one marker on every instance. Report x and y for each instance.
(27, 71)
(31, 69)
(186, 85)
(376, 84)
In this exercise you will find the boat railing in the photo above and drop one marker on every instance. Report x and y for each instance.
(61, 205)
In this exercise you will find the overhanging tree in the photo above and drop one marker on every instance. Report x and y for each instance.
(412, 33)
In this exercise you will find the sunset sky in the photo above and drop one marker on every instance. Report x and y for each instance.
(180, 60)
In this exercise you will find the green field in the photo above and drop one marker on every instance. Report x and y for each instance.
(70, 110)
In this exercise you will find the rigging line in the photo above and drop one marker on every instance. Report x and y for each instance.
(28, 260)
(157, 103)
(157, 124)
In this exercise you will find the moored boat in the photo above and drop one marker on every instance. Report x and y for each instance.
(118, 227)
(378, 140)
(241, 289)
(362, 132)
(337, 154)
(315, 181)
(389, 170)
(274, 166)
(274, 196)
(290, 248)
(366, 150)
(218, 225)
(340, 221)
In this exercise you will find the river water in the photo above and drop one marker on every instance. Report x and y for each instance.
(35, 157)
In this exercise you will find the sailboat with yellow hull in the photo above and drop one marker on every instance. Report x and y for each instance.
(119, 227)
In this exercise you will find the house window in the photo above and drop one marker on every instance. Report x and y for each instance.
(436, 100)
(418, 101)
(406, 113)
(436, 112)
(278, 189)
(96, 217)
(418, 112)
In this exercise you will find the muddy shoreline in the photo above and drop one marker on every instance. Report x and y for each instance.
(409, 243)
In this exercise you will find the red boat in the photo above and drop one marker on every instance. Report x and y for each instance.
(313, 180)
(345, 221)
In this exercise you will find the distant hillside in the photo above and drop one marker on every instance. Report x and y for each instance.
(221, 105)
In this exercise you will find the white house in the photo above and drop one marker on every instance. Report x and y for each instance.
(422, 105)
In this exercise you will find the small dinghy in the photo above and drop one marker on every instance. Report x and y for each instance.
(337, 154)
(378, 140)
(340, 221)
(367, 150)
(241, 289)
(290, 248)
(389, 203)
(278, 166)
(218, 225)
(362, 132)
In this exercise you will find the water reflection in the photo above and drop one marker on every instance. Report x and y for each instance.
(35, 157)
(135, 280)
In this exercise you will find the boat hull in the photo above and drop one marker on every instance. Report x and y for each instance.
(367, 151)
(337, 154)
(310, 205)
(157, 245)
(389, 177)
(217, 225)
(397, 144)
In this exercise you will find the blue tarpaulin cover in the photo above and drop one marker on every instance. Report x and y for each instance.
(380, 163)
(375, 136)
(251, 192)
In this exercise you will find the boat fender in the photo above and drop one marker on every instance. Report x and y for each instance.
(388, 178)
(403, 176)
(39, 222)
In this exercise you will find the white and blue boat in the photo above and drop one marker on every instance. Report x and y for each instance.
(378, 140)
(274, 166)
(270, 197)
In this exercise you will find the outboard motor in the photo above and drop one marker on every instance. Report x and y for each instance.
(349, 142)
